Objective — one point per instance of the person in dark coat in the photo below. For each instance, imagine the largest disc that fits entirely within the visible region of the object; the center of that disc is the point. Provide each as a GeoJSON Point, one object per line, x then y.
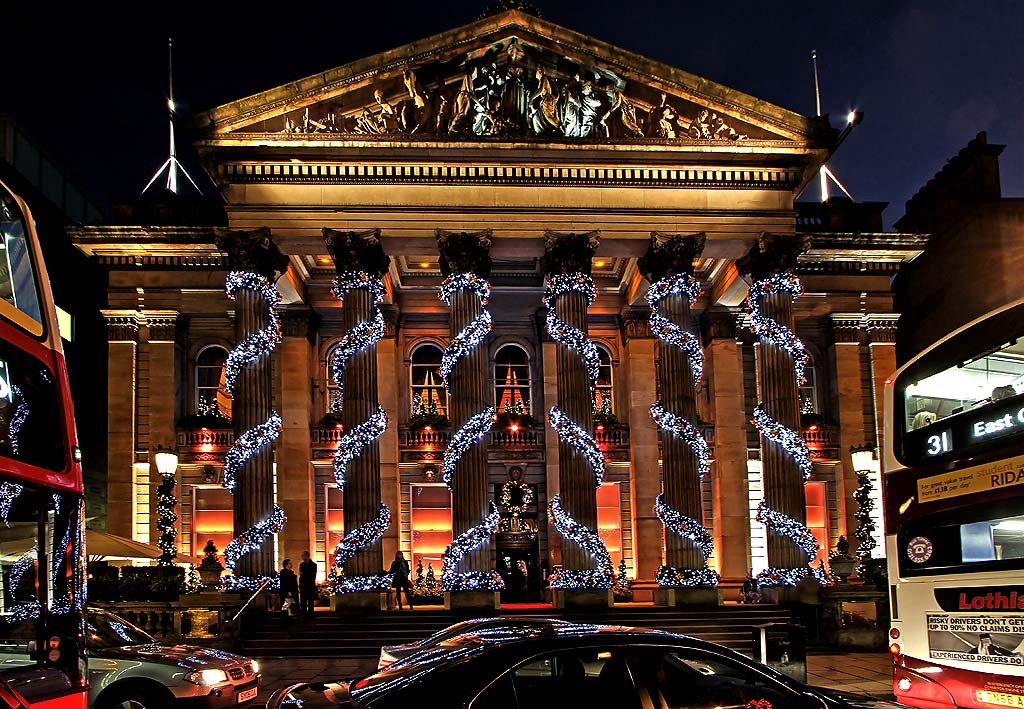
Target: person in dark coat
{"type": "Point", "coordinates": [307, 585]}
{"type": "Point", "coordinates": [400, 578]}
{"type": "Point", "coordinates": [289, 587]}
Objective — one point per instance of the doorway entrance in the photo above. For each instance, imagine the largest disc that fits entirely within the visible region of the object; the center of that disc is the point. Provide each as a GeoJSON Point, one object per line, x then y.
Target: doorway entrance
{"type": "Point", "coordinates": [520, 570]}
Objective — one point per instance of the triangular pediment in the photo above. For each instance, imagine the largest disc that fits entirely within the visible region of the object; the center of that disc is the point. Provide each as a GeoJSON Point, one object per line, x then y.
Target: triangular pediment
{"type": "Point", "coordinates": [510, 77]}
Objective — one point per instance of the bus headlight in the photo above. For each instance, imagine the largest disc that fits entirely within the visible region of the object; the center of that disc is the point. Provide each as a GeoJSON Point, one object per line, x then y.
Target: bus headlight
{"type": "Point", "coordinates": [903, 684]}
{"type": "Point", "coordinates": [207, 677]}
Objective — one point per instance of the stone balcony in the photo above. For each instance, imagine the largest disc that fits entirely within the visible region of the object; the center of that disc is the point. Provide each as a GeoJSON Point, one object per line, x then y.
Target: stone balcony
{"type": "Point", "coordinates": [822, 441]}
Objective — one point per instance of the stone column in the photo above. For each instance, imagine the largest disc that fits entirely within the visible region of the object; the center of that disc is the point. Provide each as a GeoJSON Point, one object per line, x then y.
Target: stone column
{"type": "Point", "coordinates": [354, 252]}
{"type": "Point", "coordinates": [724, 376]}
{"type": "Point", "coordinates": [294, 469]}
{"type": "Point", "coordinates": [645, 483]}
{"type": "Point", "coordinates": [569, 254]}
{"type": "Point", "coordinates": [252, 404]}
{"type": "Point", "coordinates": [670, 256]}
{"type": "Point", "coordinates": [783, 480]}
{"type": "Point", "coordinates": [390, 376]}
{"type": "Point", "coordinates": [468, 253]}
{"type": "Point", "coordinates": [157, 417]}
{"type": "Point", "coordinates": [122, 348]}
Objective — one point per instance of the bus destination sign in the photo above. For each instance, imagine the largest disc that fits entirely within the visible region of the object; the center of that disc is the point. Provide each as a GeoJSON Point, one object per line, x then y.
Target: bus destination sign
{"type": "Point", "coordinates": [979, 478]}
{"type": "Point", "coordinates": [971, 430]}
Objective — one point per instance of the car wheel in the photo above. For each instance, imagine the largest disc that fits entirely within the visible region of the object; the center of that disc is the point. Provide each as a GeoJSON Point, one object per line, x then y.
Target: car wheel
{"type": "Point", "coordinates": [135, 700]}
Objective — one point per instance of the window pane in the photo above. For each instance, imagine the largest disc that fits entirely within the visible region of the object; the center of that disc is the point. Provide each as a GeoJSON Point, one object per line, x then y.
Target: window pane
{"type": "Point", "coordinates": [579, 677]}
{"type": "Point", "coordinates": [17, 280]}
{"type": "Point", "coordinates": [512, 381]}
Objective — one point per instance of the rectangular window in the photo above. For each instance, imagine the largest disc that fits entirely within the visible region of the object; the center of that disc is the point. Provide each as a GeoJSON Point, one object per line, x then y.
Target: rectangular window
{"type": "Point", "coordinates": [430, 520]}
{"type": "Point", "coordinates": [609, 520]}
{"type": "Point", "coordinates": [758, 534]}
{"type": "Point", "coordinates": [334, 520]}
{"type": "Point", "coordinates": [140, 502]}
{"type": "Point", "coordinates": [212, 517]}
{"type": "Point", "coordinates": [817, 516]}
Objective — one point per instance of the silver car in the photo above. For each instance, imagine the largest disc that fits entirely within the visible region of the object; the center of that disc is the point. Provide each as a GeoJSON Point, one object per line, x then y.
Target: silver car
{"type": "Point", "coordinates": [129, 669]}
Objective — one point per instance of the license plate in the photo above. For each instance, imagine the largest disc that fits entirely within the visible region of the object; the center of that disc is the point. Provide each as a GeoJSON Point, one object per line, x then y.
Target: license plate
{"type": "Point", "coordinates": [1000, 698]}
{"type": "Point", "coordinates": [247, 694]}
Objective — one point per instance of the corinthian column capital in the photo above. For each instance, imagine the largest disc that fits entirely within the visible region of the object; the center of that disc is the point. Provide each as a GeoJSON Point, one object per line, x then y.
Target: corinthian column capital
{"type": "Point", "coordinates": [569, 252]}
{"type": "Point", "coordinates": [773, 253]}
{"type": "Point", "coordinates": [252, 250]}
{"type": "Point", "coordinates": [465, 251]}
{"type": "Point", "coordinates": [357, 251]}
{"type": "Point", "coordinates": [670, 255]}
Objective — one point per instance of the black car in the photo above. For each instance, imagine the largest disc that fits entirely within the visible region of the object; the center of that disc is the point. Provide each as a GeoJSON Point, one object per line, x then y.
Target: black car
{"type": "Point", "coordinates": [569, 666]}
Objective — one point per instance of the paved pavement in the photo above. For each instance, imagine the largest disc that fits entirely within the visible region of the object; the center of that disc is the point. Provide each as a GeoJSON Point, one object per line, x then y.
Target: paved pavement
{"type": "Point", "coordinates": [862, 672]}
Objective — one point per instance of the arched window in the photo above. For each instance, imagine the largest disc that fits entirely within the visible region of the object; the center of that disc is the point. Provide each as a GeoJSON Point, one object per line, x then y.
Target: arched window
{"type": "Point", "coordinates": [428, 394]}
{"type": "Point", "coordinates": [603, 399]}
{"type": "Point", "coordinates": [333, 392]}
{"type": "Point", "coordinates": [809, 389]}
{"type": "Point", "coordinates": [512, 380]}
{"type": "Point", "coordinates": [211, 398]}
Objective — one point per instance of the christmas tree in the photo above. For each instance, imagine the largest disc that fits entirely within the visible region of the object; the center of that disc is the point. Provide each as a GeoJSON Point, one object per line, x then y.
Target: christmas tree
{"type": "Point", "coordinates": [865, 532]}
{"type": "Point", "coordinates": [623, 586]}
{"type": "Point", "coordinates": [430, 586]}
{"type": "Point", "coordinates": [418, 584]}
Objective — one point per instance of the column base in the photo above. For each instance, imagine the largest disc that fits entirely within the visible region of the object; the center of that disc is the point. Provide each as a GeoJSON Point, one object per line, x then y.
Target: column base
{"type": "Point", "coordinates": [584, 599]}
{"type": "Point", "coordinates": [472, 600]}
{"type": "Point", "coordinates": [695, 596]}
{"type": "Point", "coordinates": [359, 601]}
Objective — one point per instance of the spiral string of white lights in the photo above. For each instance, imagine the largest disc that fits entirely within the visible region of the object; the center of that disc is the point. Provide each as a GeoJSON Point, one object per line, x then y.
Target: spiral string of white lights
{"type": "Point", "coordinates": [468, 435]}
{"type": "Point", "coordinates": [603, 575]}
{"type": "Point", "coordinates": [353, 442]}
{"type": "Point", "coordinates": [673, 424]}
{"type": "Point", "coordinates": [789, 440]}
{"type": "Point", "coordinates": [250, 350]}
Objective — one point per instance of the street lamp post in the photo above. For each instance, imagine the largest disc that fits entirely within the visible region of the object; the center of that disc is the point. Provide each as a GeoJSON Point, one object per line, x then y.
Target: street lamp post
{"type": "Point", "coordinates": [166, 464]}
{"type": "Point", "coordinates": [863, 458]}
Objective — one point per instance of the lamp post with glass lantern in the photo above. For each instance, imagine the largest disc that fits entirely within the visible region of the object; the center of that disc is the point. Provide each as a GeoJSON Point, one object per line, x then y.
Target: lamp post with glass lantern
{"type": "Point", "coordinates": [864, 463]}
{"type": "Point", "coordinates": [166, 460]}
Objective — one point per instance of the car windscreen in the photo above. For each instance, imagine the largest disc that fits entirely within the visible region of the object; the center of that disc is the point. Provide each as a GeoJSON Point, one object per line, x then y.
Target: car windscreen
{"type": "Point", "coordinates": [105, 631]}
{"type": "Point", "coordinates": [367, 690]}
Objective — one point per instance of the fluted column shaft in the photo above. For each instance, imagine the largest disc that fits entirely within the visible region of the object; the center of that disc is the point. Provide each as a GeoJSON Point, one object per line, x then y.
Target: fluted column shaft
{"type": "Point", "coordinates": [575, 478]}
{"type": "Point", "coordinates": [254, 487]}
{"type": "Point", "coordinates": [783, 480]}
{"type": "Point", "coordinates": [680, 472]}
{"type": "Point", "coordinates": [468, 396]}
{"type": "Point", "coordinates": [362, 483]}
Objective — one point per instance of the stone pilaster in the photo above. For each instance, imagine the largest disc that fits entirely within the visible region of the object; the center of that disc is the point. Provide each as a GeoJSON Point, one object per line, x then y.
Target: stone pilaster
{"type": "Point", "coordinates": [572, 253]}
{"type": "Point", "coordinates": [640, 391]}
{"type": "Point", "coordinates": [724, 377]}
{"type": "Point", "coordinates": [360, 251]}
{"type": "Point", "coordinates": [294, 470]}
{"type": "Point", "coordinates": [389, 378]}
{"type": "Point", "coordinates": [256, 252]}
{"type": "Point", "coordinates": [468, 253]}
{"type": "Point", "coordinates": [672, 255]}
{"type": "Point", "coordinates": [783, 480]}
{"type": "Point", "coordinates": [846, 359]}
{"type": "Point", "coordinates": [882, 346]}
{"type": "Point", "coordinates": [122, 350]}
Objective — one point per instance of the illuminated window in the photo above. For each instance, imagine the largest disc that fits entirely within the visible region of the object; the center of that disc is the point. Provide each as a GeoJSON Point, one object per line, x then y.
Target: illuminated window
{"type": "Point", "coordinates": [428, 394]}
{"type": "Point", "coordinates": [758, 534]}
{"type": "Point", "coordinates": [334, 520]}
{"type": "Point", "coordinates": [609, 520]}
{"type": "Point", "coordinates": [512, 380]}
{"type": "Point", "coordinates": [18, 297]}
{"type": "Point", "coordinates": [817, 517]}
{"type": "Point", "coordinates": [603, 400]}
{"type": "Point", "coordinates": [211, 396]}
{"type": "Point", "coordinates": [212, 517]}
{"type": "Point", "coordinates": [809, 389]}
{"type": "Point", "coordinates": [430, 520]}
{"type": "Point", "coordinates": [140, 502]}
{"type": "Point", "coordinates": [333, 392]}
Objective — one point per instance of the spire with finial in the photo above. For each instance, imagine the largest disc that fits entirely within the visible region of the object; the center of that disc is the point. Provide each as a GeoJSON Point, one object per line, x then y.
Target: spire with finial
{"type": "Point", "coordinates": [171, 165]}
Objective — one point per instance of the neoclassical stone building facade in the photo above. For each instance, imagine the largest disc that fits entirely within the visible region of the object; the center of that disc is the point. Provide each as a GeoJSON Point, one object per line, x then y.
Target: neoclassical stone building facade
{"type": "Point", "coordinates": [528, 136]}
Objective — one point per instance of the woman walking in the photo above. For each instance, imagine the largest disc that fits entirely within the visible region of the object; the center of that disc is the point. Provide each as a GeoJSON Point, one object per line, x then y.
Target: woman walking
{"type": "Point", "coordinates": [400, 579]}
{"type": "Point", "coordinates": [289, 588]}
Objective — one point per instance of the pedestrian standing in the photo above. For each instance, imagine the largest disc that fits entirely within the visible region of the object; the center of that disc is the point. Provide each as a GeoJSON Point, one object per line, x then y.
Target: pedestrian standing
{"type": "Point", "coordinates": [400, 579]}
{"type": "Point", "coordinates": [289, 588]}
{"type": "Point", "coordinates": [307, 586]}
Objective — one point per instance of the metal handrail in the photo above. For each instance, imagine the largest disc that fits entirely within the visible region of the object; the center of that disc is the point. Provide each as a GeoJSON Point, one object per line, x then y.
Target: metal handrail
{"type": "Point", "coordinates": [258, 591]}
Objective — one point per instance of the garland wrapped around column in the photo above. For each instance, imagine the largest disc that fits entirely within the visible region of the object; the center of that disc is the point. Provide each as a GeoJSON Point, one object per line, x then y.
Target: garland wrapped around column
{"type": "Point", "coordinates": [166, 517]}
{"type": "Point", "coordinates": [602, 576]}
{"type": "Point", "coordinates": [790, 441]}
{"type": "Point", "coordinates": [676, 425]}
{"type": "Point", "coordinates": [363, 336]}
{"type": "Point", "coordinates": [469, 434]}
{"type": "Point", "coordinates": [253, 347]}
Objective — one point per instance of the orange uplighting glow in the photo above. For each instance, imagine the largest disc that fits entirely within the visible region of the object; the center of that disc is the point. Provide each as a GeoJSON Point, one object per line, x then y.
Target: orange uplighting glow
{"type": "Point", "coordinates": [514, 427]}
{"type": "Point", "coordinates": [600, 427]}
{"type": "Point", "coordinates": [599, 264]}
{"type": "Point", "coordinates": [206, 440]}
{"type": "Point", "coordinates": [424, 264]}
{"type": "Point", "coordinates": [428, 428]}
{"type": "Point", "coordinates": [813, 427]}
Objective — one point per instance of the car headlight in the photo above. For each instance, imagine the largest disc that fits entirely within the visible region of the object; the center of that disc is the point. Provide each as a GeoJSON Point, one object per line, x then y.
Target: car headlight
{"type": "Point", "coordinates": [255, 666]}
{"type": "Point", "coordinates": [207, 677]}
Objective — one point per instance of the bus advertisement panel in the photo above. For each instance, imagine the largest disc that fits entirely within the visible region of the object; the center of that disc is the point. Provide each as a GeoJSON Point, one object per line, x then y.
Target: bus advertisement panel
{"type": "Point", "coordinates": [954, 506]}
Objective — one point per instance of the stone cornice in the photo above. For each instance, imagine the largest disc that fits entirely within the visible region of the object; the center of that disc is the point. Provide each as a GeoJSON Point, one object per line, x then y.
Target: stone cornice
{"type": "Point", "coordinates": [863, 248]}
{"type": "Point", "coordinates": [881, 328]}
{"type": "Point", "coordinates": [161, 324]}
{"type": "Point", "coordinates": [122, 325]}
{"type": "Point", "coordinates": [846, 327]}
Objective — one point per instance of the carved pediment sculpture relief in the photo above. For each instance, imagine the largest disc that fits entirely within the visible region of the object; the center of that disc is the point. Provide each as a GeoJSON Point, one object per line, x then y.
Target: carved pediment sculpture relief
{"type": "Point", "coordinates": [511, 90]}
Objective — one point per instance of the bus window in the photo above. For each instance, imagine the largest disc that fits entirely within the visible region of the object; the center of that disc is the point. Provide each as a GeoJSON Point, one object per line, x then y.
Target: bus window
{"type": "Point", "coordinates": [19, 297]}
{"type": "Point", "coordinates": [32, 429]}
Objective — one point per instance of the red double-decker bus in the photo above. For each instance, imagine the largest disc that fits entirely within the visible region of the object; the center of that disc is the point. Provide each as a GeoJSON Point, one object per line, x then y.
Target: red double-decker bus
{"type": "Point", "coordinates": [954, 501]}
{"type": "Point", "coordinates": [42, 525]}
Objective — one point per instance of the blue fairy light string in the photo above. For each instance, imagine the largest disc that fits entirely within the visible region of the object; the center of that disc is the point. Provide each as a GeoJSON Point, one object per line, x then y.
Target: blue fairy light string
{"type": "Point", "coordinates": [468, 435]}
{"type": "Point", "coordinates": [673, 424]}
{"type": "Point", "coordinates": [470, 540]}
{"type": "Point", "coordinates": [250, 350]}
{"type": "Point", "coordinates": [580, 440]}
{"type": "Point", "coordinates": [8, 494]}
{"type": "Point", "coordinates": [600, 577]}
{"type": "Point", "coordinates": [364, 335]}
{"type": "Point", "coordinates": [781, 337]}
{"type": "Point", "coordinates": [18, 419]}
{"type": "Point", "coordinates": [687, 528]}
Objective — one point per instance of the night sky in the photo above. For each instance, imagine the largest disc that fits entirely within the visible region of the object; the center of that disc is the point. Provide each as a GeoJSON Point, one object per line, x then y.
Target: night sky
{"type": "Point", "coordinates": [89, 83]}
